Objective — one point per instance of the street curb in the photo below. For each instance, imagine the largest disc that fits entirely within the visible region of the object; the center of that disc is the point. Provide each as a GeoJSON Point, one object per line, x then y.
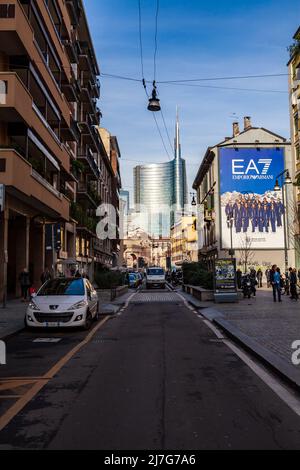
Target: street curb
{"type": "Point", "coordinates": [278, 365]}
{"type": "Point", "coordinates": [7, 336]}
{"type": "Point", "coordinates": [286, 371]}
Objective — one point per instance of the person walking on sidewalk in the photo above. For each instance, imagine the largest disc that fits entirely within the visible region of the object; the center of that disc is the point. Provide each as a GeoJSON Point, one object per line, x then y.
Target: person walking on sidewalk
{"type": "Point", "coordinates": [278, 284]}
{"type": "Point", "coordinates": [275, 279]}
{"type": "Point", "coordinates": [267, 273]}
{"type": "Point", "coordinates": [25, 283]}
{"type": "Point", "coordinates": [293, 284]}
{"type": "Point", "coordinates": [259, 277]}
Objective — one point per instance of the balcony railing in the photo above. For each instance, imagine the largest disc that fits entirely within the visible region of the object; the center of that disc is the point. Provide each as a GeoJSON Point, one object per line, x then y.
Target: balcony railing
{"type": "Point", "coordinates": [89, 158]}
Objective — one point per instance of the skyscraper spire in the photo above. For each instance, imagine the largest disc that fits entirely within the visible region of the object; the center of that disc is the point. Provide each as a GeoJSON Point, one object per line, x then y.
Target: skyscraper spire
{"type": "Point", "coordinates": [177, 137]}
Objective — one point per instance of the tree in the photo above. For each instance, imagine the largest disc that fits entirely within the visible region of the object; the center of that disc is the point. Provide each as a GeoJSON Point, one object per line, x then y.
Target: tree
{"type": "Point", "coordinates": [294, 227]}
{"type": "Point", "coordinates": [246, 253]}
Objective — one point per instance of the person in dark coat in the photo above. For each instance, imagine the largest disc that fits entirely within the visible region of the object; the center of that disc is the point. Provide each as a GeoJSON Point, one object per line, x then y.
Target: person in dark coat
{"type": "Point", "coordinates": [273, 217]}
{"type": "Point", "coordinates": [238, 218]}
{"type": "Point", "coordinates": [239, 278]}
{"type": "Point", "coordinates": [266, 217]}
{"type": "Point", "coordinates": [25, 283]}
{"type": "Point", "coordinates": [260, 217]}
{"type": "Point", "coordinates": [293, 284]}
{"type": "Point", "coordinates": [46, 276]}
{"type": "Point", "coordinates": [259, 276]}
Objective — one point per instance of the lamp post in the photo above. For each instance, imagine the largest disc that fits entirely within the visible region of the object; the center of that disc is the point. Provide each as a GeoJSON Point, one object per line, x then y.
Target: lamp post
{"type": "Point", "coordinates": [285, 180]}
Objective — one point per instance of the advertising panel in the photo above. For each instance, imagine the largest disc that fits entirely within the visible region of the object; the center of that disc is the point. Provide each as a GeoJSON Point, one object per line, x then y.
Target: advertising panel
{"type": "Point", "coordinates": [251, 211]}
{"type": "Point", "coordinates": [225, 277]}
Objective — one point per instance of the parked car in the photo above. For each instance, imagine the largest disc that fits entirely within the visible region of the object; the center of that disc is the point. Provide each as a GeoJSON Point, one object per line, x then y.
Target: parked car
{"type": "Point", "coordinates": [155, 278]}
{"type": "Point", "coordinates": [133, 280]}
{"type": "Point", "coordinates": [63, 302]}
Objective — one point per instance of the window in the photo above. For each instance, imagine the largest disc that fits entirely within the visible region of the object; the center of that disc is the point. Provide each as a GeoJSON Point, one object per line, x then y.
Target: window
{"type": "Point", "coordinates": [62, 287]}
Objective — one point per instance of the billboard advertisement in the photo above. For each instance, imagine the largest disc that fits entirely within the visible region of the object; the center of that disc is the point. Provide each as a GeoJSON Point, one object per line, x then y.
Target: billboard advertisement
{"type": "Point", "coordinates": [250, 208]}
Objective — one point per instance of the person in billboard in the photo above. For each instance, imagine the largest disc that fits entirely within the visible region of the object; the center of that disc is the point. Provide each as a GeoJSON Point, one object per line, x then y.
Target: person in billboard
{"type": "Point", "coordinates": [266, 217]}
{"type": "Point", "coordinates": [238, 218]}
{"type": "Point", "coordinates": [245, 217]}
{"type": "Point", "coordinates": [273, 217]}
{"type": "Point", "coordinates": [260, 217]}
{"type": "Point", "coordinates": [254, 216]}
{"type": "Point", "coordinates": [229, 212]}
{"type": "Point", "coordinates": [279, 212]}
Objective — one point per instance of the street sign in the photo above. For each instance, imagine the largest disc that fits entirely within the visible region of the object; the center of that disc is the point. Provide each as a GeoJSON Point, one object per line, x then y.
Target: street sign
{"type": "Point", "coordinates": [2, 197]}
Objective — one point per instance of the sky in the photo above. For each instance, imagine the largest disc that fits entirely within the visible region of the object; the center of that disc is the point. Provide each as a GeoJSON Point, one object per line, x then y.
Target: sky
{"type": "Point", "coordinates": [196, 39]}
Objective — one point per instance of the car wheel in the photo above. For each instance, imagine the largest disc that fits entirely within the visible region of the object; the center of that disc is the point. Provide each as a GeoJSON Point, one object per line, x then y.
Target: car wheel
{"type": "Point", "coordinates": [88, 321]}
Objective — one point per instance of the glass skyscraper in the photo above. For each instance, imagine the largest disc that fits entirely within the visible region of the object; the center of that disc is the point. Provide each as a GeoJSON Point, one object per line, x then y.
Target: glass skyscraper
{"type": "Point", "coordinates": [158, 188]}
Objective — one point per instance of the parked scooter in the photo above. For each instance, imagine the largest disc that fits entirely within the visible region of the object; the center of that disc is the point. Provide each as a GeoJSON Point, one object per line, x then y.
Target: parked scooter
{"type": "Point", "coordinates": [248, 286]}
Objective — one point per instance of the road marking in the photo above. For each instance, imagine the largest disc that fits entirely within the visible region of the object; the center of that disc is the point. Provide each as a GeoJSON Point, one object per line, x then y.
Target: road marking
{"type": "Point", "coordinates": [25, 399]}
{"type": "Point", "coordinates": [288, 397]}
{"type": "Point", "coordinates": [47, 340]}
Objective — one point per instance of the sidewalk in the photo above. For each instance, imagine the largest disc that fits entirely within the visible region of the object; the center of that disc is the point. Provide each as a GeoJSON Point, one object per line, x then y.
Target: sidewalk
{"type": "Point", "coordinates": [12, 317]}
{"type": "Point", "coordinates": [268, 329]}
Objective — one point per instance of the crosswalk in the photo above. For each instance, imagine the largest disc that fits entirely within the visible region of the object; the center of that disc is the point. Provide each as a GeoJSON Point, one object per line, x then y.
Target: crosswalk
{"type": "Point", "coordinates": [149, 297]}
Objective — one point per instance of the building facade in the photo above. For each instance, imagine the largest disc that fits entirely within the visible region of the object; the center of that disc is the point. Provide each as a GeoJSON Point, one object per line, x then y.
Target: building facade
{"type": "Point", "coordinates": [53, 164]}
{"type": "Point", "coordinates": [184, 246]}
{"type": "Point", "coordinates": [238, 207]}
{"type": "Point", "coordinates": [159, 188]}
{"type": "Point", "coordinates": [294, 93]}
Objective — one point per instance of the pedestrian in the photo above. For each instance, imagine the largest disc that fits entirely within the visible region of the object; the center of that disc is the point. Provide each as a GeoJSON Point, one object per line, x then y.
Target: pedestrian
{"type": "Point", "coordinates": [25, 283]}
{"type": "Point", "coordinates": [267, 273]}
{"type": "Point", "coordinates": [239, 278]}
{"type": "Point", "coordinates": [253, 281]}
{"type": "Point", "coordinates": [46, 276]}
{"type": "Point", "coordinates": [259, 278]}
{"type": "Point", "coordinates": [293, 284]}
{"type": "Point", "coordinates": [299, 275]}
{"type": "Point", "coordinates": [275, 279]}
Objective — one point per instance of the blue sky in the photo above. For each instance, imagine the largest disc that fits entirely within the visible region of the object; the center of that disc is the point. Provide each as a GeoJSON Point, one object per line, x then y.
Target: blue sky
{"type": "Point", "coordinates": [196, 38]}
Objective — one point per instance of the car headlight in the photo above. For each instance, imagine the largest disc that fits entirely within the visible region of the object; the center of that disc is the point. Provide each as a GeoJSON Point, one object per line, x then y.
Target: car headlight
{"type": "Point", "coordinates": [81, 304]}
{"type": "Point", "coordinates": [33, 306]}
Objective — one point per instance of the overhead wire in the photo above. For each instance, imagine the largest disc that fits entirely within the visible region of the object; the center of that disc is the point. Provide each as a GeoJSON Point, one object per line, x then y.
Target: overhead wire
{"type": "Point", "coordinates": [155, 39]}
{"type": "Point", "coordinates": [144, 82]}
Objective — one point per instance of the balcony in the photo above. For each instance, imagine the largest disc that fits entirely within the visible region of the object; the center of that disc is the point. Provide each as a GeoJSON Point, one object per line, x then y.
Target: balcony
{"type": "Point", "coordinates": [74, 9]}
{"type": "Point", "coordinates": [90, 135]}
{"type": "Point", "coordinates": [89, 159]}
{"type": "Point", "coordinates": [17, 39]}
{"type": "Point", "coordinates": [84, 190]}
{"type": "Point", "coordinates": [25, 183]}
{"type": "Point", "coordinates": [16, 105]}
{"type": "Point", "coordinates": [72, 133]}
{"type": "Point", "coordinates": [87, 98]}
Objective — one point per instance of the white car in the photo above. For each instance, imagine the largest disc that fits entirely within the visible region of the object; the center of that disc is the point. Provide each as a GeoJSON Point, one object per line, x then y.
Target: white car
{"type": "Point", "coordinates": [155, 277]}
{"type": "Point", "coordinates": [63, 302]}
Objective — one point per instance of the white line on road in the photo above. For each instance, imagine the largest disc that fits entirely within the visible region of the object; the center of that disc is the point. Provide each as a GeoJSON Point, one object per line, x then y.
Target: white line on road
{"type": "Point", "coordinates": [288, 397]}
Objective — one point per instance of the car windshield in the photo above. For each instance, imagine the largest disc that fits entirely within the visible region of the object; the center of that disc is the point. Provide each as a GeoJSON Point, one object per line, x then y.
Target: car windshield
{"type": "Point", "coordinates": [63, 287]}
{"type": "Point", "coordinates": [155, 272]}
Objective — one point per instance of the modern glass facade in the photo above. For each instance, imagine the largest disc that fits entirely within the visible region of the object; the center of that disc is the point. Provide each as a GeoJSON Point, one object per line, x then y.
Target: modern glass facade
{"type": "Point", "coordinates": [158, 187]}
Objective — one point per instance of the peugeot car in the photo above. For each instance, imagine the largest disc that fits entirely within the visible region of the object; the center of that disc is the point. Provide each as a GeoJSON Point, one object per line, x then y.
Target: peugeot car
{"type": "Point", "coordinates": [63, 303]}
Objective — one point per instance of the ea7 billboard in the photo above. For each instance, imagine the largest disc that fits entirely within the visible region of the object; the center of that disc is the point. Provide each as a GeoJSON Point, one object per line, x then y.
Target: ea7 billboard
{"type": "Point", "coordinates": [251, 211]}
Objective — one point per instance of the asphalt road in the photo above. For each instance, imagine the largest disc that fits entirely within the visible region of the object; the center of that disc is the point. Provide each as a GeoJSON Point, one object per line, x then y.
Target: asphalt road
{"type": "Point", "coordinates": [155, 377]}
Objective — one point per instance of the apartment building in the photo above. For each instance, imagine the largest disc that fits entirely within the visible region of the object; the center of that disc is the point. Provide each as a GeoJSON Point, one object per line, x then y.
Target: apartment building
{"type": "Point", "coordinates": [53, 163]}
{"type": "Point", "coordinates": [184, 247]}
{"type": "Point", "coordinates": [294, 92]}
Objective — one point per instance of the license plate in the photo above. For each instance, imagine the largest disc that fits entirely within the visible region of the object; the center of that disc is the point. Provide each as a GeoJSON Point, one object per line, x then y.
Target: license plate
{"type": "Point", "coordinates": [52, 324]}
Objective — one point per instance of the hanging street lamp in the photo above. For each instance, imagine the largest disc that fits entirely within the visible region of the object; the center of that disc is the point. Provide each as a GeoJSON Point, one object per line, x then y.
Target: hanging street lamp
{"type": "Point", "coordinates": [154, 103]}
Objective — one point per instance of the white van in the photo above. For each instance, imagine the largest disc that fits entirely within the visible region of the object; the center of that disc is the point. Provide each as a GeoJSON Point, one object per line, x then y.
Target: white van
{"type": "Point", "coordinates": [155, 277]}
